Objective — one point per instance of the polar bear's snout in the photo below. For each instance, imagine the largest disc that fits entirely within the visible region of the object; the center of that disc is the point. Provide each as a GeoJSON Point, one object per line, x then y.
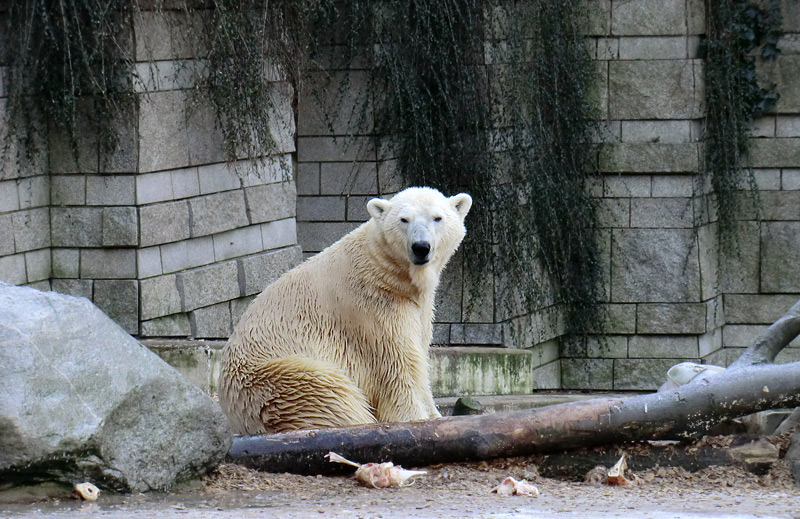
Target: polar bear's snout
{"type": "Point", "coordinates": [420, 252]}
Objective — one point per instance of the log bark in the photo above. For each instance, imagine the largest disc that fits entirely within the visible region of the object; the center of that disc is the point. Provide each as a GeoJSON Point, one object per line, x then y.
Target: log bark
{"type": "Point", "coordinates": [679, 414]}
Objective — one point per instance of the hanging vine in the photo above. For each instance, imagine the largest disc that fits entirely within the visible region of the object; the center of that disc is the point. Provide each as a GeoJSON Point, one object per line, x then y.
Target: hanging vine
{"type": "Point", "coordinates": [737, 32]}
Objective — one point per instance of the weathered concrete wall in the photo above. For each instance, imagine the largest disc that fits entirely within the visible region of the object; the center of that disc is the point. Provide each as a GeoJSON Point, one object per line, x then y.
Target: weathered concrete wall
{"type": "Point", "coordinates": [669, 295]}
{"type": "Point", "coordinates": [161, 233]}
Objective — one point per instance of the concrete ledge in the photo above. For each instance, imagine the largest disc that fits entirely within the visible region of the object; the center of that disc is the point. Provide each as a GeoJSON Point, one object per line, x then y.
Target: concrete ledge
{"type": "Point", "coordinates": [455, 371]}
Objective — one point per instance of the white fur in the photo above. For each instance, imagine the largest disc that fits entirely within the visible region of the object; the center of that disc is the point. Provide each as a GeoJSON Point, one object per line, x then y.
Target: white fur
{"type": "Point", "coordinates": [343, 338]}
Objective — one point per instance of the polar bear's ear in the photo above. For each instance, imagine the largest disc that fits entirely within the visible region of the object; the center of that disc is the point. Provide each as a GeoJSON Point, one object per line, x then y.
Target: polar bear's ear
{"type": "Point", "coordinates": [461, 203]}
{"type": "Point", "coordinates": [378, 207]}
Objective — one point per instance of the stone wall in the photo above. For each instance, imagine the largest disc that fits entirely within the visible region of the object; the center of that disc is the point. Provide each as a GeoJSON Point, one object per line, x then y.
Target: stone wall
{"type": "Point", "coordinates": [161, 233]}
{"type": "Point", "coordinates": [670, 296]}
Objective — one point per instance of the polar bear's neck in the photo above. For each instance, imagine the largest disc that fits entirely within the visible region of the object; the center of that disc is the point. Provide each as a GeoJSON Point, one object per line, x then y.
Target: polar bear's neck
{"type": "Point", "coordinates": [397, 275]}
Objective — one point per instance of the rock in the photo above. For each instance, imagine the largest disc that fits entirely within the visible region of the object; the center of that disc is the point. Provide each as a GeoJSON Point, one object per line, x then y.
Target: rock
{"type": "Point", "coordinates": [793, 456]}
{"type": "Point", "coordinates": [81, 400]}
{"type": "Point", "coordinates": [467, 405]}
{"type": "Point", "coordinates": [757, 455]}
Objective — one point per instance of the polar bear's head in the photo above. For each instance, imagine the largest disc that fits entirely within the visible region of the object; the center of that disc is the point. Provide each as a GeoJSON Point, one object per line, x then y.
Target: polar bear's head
{"type": "Point", "coordinates": [421, 224]}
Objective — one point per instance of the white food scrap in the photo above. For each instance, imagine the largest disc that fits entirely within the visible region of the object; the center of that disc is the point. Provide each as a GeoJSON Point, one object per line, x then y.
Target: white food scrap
{"type": "Point", "coordinates": [511, 486]}
{"type": "Point", "coordinates": [87, 491]}
{"type": "Point", "coordinates": [378, 475]}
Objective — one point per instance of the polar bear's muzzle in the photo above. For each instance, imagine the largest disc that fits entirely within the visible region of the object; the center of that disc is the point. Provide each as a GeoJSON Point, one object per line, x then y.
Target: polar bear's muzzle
{"type": "Point", "coordinates": [420, 252]}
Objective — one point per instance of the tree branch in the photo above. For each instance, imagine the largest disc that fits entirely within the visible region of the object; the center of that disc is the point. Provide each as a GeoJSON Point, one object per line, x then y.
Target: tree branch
{"type": "Point", "coordinates": [772, 341]}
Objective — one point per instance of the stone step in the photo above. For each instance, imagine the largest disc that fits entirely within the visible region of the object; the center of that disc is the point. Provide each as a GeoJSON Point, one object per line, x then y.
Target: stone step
{"type": "Point", "coordinates": [455, 371]}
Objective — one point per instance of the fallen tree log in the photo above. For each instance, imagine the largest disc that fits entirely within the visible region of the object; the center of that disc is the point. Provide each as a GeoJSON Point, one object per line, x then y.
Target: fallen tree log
{"type": "Point", "coordinates": [683, 413]}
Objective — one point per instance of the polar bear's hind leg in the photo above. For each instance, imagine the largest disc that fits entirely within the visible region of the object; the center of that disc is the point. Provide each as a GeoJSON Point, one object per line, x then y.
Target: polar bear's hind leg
{"type": "Point", "coordinates": [303, 393]}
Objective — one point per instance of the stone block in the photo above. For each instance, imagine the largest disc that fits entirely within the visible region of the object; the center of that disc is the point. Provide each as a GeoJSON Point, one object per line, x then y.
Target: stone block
{"type": "Point", "coordinates": [744, 335]}
{"type": "Point", "coordinates": [186, 254]}
{"type": "Point", "coordinates": [185, 183]}
{"type": "Point", "coordinates": [649, 158]}
{"type": "Point", "coordinates": [441, 334]}
{"type": "Point", "coordinates": [212, 322]}
{"type": "Point", "coordinates": [307, 178]}
{"type": "Point", "coordinates": [790, 179]}
{"type": "Point", "coordinates": [775, 152]}
{"type": "Point", "coordinates": [206, 286]}
{"type": "Point", "coordinates": [163, 223]}
{"type": "Point", "coordinates": [671, 318]}
{"type": "Point", "coordinates": [206, 140]}
{"type": "Point", "coordinates": [38, 265]}
{"type": "Point", "coordinates": [260, 270]}
{"type": "Point", "coordinates": [449, 295]}
{"type": "Point", "coordinates": [459, 371]}
{"type": "Point", "coordinates": [663, 347]}
{"type": "Point", "coordinates": [764, 126]}
{"type": "Point", "coordinates": [280, 233]}
{"type": "Point", "coordinates": [154, 187]}
{"type": "Point", "coordinates": [119, 299]}
{"type": "Point", "coordinates": [653, 47]}
{"type": "Point", "coordinates": [767, 179]}
{"type": "Point", "coordinates": [641, 374]}
{"type": "Point", "coordinates": [597, 374]}
{"type": "Point", "coordinates": [710, 342]}
{"type": "Point", "coordinates": [269, 202]}
{"type": "Point", "coordinates": [321, 208]}
{"type": "Point", "coordinates": [626, 186]}
{"type": "Point", "coordinates": [614, 212]}
{"type": "Point", "coordinates": [12, 269]}
{"type": "Point", "coordinates": [544, 353]}
{"type": "Point", "coordinates": [120, 226]}
{"type": "Point", "coordinates": [339, 104]}
{"type": "Point", "coordinates": [176, 325]}
{"type": "Point", "coordinates": [661, 212]}
{"type": "Point", "coordinates": [665, 132]}
{"type": "Point", "coordinates": [756, 308]}
{"type": "Point", "coordinates": [68, 189]}
{"type": "Point", "coordinates": [123, 155]}
{"type": "Point", "coordinates": [110, 190]}
{"type": "Point", "coordinates": [787, 70]}
{"type": "Point", "coordinates": [218, 212]}
{"type": "Point", "coordinates": [547, 376]}
{"type": "Point", "coordinates": [238, 242]}
{"type": "Point", "coordinates": [331, 149]}
{"type": "Point", "coordinates": [780, 257]}
{"type": "Point", "coordinates": [655, 89]}
{"type": "Point", "coordinates": [619, 319]}
{"type": "Point", "coordinates": [82, 154]}
{"type": "Point", "coordinates": [74, 287]}
{"type": "Point", "coordinates": [655, 265]}
{"type": "Point", "coordinates": [6, 235]}
{"type": "Point", "coordinates": [148, 262]}
{"type": "Point", "coordinates": [349, 178]}
{"type": "Point", "coordinates": [31, 229]}
{"type": "Point", "coordinates": [164, 34]}
{"type": "Point", "coordinates": [315, 236]}
{"type": "Point", "coordinates": [215, 178]}
{"type": "Point", "coordinates": [672, 186]}
{"type": "Point", "coordinates": [476, 334]}
{"type": "Point", "coordinates": [607, 347]}
{"type": "Point", "coordinates": [390, 180]}
{"type": "Point", "coordinates": [239, 307]}
{"type": "Point", "coordinates": [357, 208]}
{"type": "Point", "coordinates": [163, 138]}
{"type": "Point", "coordinates": [159, 297]}
{"type": "Point", "coordinates": [66, 263]}
{"type": "Point", "coordinates": [649, 17]}
{"type": "Point", "coordinates": [606, 49]}
{"type": "Point", "coordinates": [34, 191]}
{"type": "Point", "coordinates": [108, 263]}
{"type": "Point", "coordinates": [787, 126]}
{"type": "Point", "coordinates": [739, 269]}
{"type": "Point", "coordinates": [780, 205]}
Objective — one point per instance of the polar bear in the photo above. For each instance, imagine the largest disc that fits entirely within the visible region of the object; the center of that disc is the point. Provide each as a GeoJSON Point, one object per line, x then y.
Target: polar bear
{"type": "Point", "coordinates": [343, 338]}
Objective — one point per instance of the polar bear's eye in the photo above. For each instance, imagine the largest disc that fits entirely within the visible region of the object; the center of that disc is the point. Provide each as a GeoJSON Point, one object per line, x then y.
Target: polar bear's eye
{"type": "Point", "coordinates": [404, 220]}
{"type": "Point", "coordinates": [437, 219]}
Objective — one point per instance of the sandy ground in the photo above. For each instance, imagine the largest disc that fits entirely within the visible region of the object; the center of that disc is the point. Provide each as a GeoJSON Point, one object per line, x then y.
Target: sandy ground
{"type": "Point", "coordinates": [448, 491]}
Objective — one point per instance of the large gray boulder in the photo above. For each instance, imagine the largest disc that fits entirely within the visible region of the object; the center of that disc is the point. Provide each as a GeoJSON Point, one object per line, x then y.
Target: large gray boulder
{"type": "Point", "coordinates": [81, 400]}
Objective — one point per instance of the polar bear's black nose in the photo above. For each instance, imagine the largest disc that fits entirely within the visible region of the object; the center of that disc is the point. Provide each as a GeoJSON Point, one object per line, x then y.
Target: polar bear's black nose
{"type": "Point", "coordinates": [420, 249]}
